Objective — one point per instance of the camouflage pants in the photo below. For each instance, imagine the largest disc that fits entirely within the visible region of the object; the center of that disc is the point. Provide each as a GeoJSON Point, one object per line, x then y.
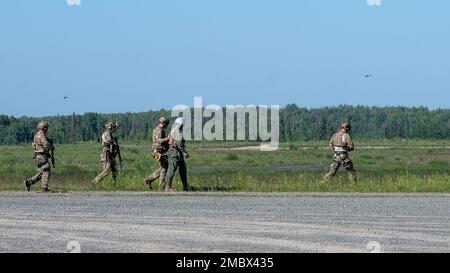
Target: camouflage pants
{"type": "Point", "coordinates": [159, 173]}
{"type": "Point", "coordinates": [43, 165]}
{"type": "Point", "coordinates": [176, 162]}
{"type": "Point", "coordinates": [344, 160]}
{"type": "Point", "coordinates": [108, 165]}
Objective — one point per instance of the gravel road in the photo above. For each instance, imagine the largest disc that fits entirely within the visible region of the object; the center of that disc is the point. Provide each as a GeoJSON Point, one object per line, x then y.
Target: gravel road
{"type": "Point", "coordinates": [144, 222]}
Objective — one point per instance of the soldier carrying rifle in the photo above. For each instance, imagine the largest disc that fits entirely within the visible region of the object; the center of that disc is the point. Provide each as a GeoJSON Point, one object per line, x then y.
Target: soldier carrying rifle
{"type": "Point", "coordinates": [341, 144]}
{"type": "Point", "coordinates": [110, 149]}
{"type": "Point", "coordinates": [160, 147]}
{"type": "Point", "coordinates": [43, 151]}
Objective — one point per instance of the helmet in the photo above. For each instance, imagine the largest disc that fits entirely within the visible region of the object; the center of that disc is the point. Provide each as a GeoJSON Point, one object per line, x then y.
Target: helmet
{"type": "Point", "coordinates": [346, 125]}
{"type": "Point", "coordinates": [42, 125]}
{"type": "Point", "coordinates": [164, 120]}
{"type": "Point", "coordinates": [111, 125]}
{"type": "Point", "coordinates": [179, 121]}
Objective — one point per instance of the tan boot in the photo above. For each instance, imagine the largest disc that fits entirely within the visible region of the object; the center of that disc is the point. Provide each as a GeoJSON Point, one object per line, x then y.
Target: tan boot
{"type": "Point", "coordinates": [352, 177]}
{"type": "Point", "coordinates": [97, 180]}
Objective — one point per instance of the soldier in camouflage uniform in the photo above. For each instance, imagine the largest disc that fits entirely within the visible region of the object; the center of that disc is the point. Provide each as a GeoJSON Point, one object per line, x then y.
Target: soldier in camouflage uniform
{"type": "Point", "coordinates": [109, 152]}
{"type": "Point", "coordinates": [160, 147]}
{"type": "Point", "coordinates": [176, 155]}
{"type": "Point", "coordinates": [341, 143]}
{"type": "Point", "coordinates": [43, 147]}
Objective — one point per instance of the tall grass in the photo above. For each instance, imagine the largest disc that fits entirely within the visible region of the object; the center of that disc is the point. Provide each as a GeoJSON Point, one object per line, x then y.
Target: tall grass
{"type": "Point", "coordinates": [398, 169]}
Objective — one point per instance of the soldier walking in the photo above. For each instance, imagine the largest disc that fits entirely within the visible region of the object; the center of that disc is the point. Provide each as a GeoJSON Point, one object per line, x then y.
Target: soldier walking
{"type": "Point", "coordinates": [160, 147]}
{"type": "Point", "coordinates": [43, 149]}
{"type": "Point", "coordinates": [176, 155]}
{"type": "Point", "coordinates": [109, 152]}
{"type": "Point", "coordinates": [341, 144]}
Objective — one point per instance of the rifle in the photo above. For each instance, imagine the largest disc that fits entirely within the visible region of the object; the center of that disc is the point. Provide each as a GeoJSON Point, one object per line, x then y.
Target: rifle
{"type": "Point", "coordinates": [118, 152]}
{"type": "Point", "coordinates": [52, 152]}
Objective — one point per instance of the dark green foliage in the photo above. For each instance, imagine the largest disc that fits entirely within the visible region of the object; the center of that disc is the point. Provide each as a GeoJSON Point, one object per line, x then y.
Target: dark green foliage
{"type": "Point", "coordinates": [79, 128]}
{"type": "Point", "coordinates": [295, 124]}
{"type": "Point", "coordinates": [367, 122]}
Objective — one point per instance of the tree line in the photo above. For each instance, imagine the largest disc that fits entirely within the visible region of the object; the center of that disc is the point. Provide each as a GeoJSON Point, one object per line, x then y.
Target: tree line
{"type": "Point", "coordinates": [296, 123]}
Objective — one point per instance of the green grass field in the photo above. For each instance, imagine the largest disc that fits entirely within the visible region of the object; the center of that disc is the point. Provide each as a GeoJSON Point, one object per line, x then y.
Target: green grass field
{"type": "Point", "coordinates": [382, 166]}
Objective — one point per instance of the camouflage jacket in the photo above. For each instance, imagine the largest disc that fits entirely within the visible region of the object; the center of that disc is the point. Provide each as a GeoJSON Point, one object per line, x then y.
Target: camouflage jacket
{"type": "Point", "coordinates": [160, 140]}
{"type": "Point", "coordinates": [108, 143]}
{"type": "Point", "coordinates": [341, 142]}
{"type": "Point", "coordinates": [41, 143]}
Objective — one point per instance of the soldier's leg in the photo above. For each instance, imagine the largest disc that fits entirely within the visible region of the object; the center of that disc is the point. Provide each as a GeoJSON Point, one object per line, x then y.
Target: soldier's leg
{"type": "Point", "coordinates": [183, 174]}
{"type": "Point", "coordinates": [42, 165]}
{"type": "Point", "coordinates": [155, 175]}
{"type": "Point", "coordinates": [163, 165]}
{"type": "Point", "coordinates": [334, 167]}
{"type": "Point", "coordinates": [36, 178]}
{"type": "Point", "coordinates": [348, 165]}
{"type": "Point", "coordinates": [149, 179]}
{"type": "Point", "coordinates": [106, 168]}
{"type": "Point", "coordinates": [171, 170]}
{"type": "Point", "coordinates": [46, 173]}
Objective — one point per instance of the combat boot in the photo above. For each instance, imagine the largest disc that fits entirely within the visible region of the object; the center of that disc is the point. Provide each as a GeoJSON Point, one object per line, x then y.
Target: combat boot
{"type": "Point", "coordinates": [148, 183]}
{"type": "Point", "coordinates": [162, 186]}
{"type": "Point", "coordinates": [327, 178]}
{"type": "Point", "coordinates": [27, 184]}
{"type": "Point", "coordinates": [352, 177]}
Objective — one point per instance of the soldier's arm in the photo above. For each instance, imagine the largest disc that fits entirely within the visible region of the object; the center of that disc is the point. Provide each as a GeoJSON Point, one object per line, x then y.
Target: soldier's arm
{"type": "Point", "coordinates": [107, 142]}
{"type": "Point", "coordinates": [46, 143]}
{"type": "Point", "coordinates": [177, 137]}
{"type": "Point", "coordinates": [159, 139]}
{"type": "Point", "coordinates": [331, 145]}
{"type": "Point", "coordinates": [350, 146]}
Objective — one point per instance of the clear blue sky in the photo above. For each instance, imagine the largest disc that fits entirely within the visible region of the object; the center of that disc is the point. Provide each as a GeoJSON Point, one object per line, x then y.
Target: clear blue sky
{"type": "Point", "coordinates": [136, 55]}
